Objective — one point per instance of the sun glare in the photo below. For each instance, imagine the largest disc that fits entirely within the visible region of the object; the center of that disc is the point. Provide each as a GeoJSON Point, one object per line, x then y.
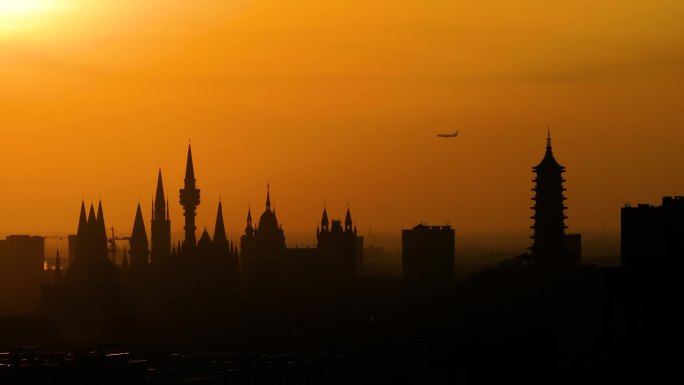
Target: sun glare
{"type": "Point", "coordinates": [18, 15]}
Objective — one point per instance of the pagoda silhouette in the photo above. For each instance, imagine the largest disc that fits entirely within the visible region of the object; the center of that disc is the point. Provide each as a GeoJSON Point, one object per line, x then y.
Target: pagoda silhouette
{"type": "Point", "coordinates": [550, 247]}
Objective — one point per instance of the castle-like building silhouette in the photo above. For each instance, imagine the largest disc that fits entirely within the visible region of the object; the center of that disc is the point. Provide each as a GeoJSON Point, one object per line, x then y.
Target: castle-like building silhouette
{"type": "Point", "coordinates": [262, 259]}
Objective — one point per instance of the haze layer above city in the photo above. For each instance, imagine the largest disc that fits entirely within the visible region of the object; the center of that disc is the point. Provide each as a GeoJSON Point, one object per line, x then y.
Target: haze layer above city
{"type": "Point", "coordinates": [337, 103]}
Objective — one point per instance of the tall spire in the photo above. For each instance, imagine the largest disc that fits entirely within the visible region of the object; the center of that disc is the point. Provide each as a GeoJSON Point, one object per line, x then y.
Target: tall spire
{"type": "Point", "coordinates": [219, 229]}
{"type": "Point", "coordinates": [548, 140]}
{"type": "Point", "coordinates": [139, 233]}
{"type": "Point", "coordinates": [138, 242]}
{"type": "Point", "coordinates": [92, 218]}
{"type": "Point", "coordinates": [101, 230]}
{"type": "Point", "coordinates": [348, 224]}
{"type": "Point", "coordinates": [160, 229]}
{"type": "Point", "coordinates": [189, 170]}
{"type": "Point", "coordinates": [160, 198]}
{"type": "Point", "coordinates": [82, 221]}
{"type": "Point", "coordinates": [249, 229]}
{"type": "Point", "coordinates": [324, 220]}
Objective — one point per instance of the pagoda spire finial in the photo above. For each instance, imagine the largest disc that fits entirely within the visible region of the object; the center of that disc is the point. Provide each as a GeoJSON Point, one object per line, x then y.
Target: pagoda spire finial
{"type": "Point", "coordinates": [548, 138]}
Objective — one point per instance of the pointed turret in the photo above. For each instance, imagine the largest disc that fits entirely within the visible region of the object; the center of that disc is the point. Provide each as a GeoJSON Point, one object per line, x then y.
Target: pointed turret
{"type": "Point", "coordinates": [161, 225]}
{"type": "Point", "coordinates": [189, 170]}
{"type": "Point", "coordinates": [204, 246]}
{"type": "Point", "coordinates": [221, 246]}
{"type": "Point", "coordinates": [325, 223]}
{"type": "Point", "coordinates": [219, 228]}
{"type": "Point", "coordinates": [82, 221]}
{"type": "Point", "coordinates": [348, 224]}
{"type": "Point", "coordinates": [90, 241]}
{"type": "Point", "coordinates": [92, 218]}
{"type": "Point", "coordinates": [139, 232]}
{"type": "Point", "coordinates": [138, 242]}
{"type": "Point", "coordinates": [160, 198]}
{"type": "Point", "coordinates": [249, 229]}
{"type": "Point", "coordinates": [82, 235]}
{"type": "Point", "coordinates": [101, 231]}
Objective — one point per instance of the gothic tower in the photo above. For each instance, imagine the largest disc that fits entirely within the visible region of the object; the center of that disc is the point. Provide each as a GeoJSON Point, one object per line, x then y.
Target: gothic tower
{"type": "Point", "coordinates": [161, 226]}
{"type": "Point", "coordinates": [337, 246]}
{"type": "Point", "coordinates": [139, 245]}
{"type": "Point", "coordinates": [91, 261]}
{"type": "Point", "coordinates": [549, 246]}
{"type": "Point", "coordinates": [323, 231]}
{"type": "Point", "coordinates": [189, 199]}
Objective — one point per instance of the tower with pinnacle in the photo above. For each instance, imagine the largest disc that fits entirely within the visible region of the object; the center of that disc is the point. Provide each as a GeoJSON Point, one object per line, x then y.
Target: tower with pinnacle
{"type": "Point", "coordinates": [189, 199]}
{"type": "Point", "coordinates": [549, 247]}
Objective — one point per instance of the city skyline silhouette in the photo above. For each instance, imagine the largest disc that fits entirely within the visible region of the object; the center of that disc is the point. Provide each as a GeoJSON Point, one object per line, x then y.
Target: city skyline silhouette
{"type": "Point", "coordinates": [303, 192]}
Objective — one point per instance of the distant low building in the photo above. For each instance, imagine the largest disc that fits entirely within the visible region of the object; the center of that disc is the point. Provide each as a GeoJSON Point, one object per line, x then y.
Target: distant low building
{"type": "Point", "coordinates": [428, 254]}
{"type": "Point", "coordinates": [22, 259]}
{"type": "Point", "coordinates": [652, 237]}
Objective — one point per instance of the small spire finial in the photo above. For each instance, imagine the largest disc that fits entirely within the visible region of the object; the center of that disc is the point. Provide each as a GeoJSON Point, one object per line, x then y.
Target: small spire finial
{"type": "Point", "coordinates": [548, 138]}
{"type": "Point", "coordinates": [268, 195]}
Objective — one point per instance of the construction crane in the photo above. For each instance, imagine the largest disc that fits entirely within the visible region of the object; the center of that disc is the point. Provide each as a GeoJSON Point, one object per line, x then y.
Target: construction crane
{"type": "Point", "coordinates": [112, 244]}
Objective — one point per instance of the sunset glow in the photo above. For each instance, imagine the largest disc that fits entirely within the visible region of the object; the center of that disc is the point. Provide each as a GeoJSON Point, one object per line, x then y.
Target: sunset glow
{"type": "Point", "coordinates": [339, 102]}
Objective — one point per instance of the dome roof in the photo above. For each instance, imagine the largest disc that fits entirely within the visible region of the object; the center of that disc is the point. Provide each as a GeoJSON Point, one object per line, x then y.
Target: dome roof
{"type": "Point", "coordinates": [268, 220]}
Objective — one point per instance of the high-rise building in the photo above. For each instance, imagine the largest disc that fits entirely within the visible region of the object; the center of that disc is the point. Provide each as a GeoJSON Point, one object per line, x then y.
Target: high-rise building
{"type": "Point", "coordinates": [652, 237]}
{"type": "Point", "coordinates": [427, 254]}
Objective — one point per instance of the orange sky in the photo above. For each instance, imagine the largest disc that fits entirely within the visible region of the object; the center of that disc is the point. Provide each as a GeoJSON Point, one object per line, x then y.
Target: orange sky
{"type": "Point", "coordinates": [339, 101]}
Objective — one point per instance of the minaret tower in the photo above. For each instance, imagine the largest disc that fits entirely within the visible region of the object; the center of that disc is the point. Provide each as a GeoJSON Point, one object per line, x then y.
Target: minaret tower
{"type": "Point", "coordinates": [161, 226]}
{"type": "Point", "coordinates": [189, 199]}
{"type": "Point", "coordinates": [549, 246]}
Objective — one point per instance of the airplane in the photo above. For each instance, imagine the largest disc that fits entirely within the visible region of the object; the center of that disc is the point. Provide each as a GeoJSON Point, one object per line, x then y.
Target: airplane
{"type": "Point", "coordinates": [455, 134]}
